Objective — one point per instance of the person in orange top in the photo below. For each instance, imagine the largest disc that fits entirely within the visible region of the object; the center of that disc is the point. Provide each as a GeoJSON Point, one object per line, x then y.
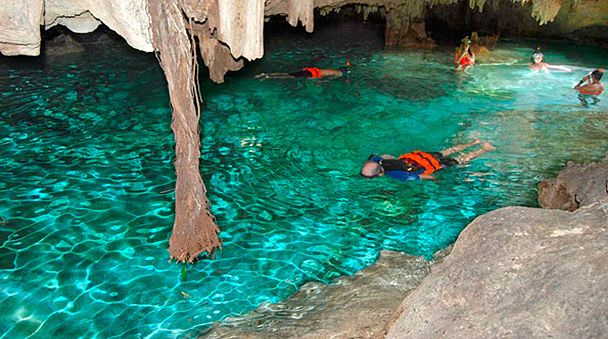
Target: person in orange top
{"type": "Point", "coordinates": [464, 56]}
{"type": "Point", "coordinates": [419, 165]}
{"type": "Point", "coordinates": [309, 72]}
{"type": "Point", "coordinates": [592, 89]}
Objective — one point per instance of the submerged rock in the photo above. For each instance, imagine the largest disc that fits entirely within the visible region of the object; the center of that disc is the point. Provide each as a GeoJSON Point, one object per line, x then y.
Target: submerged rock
{"type": "Point", "coordinates": [517, 273]}
{"type": "Point", "coordinates": [356, 306]}
{"type": "Point", "coordinates": [577, 185]}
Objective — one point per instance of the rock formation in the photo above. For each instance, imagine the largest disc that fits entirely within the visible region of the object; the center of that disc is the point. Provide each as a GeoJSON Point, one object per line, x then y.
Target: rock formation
{"type": "Point", "coordinates": [575, 186]}
{"type": "Point", "coordinates": [522, 272]}
{"type": "Point", "coordinates": [356, 306]}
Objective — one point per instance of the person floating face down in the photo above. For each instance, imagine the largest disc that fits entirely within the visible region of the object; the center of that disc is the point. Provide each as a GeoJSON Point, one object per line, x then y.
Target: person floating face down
{"type": "Point", "coordinates": [419, 165]}
{"type": "Point", "coordinates": [309, 72]}
{"type": "Point", "coordinates": [536, 61]}
{"type": "Point", "coordinates": [592, 89]}
{"type": "Point", "coordinates": [464, 56]}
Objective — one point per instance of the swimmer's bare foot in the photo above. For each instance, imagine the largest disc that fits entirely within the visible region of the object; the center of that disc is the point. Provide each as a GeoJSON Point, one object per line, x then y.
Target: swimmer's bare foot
{"type": "Point", "coordinates": [488, 146]}
{"type": "Point", "coordinates": [477, 141]}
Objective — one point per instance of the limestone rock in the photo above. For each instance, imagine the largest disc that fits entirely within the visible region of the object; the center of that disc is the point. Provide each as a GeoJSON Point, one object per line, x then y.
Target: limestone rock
{"type": "Point", "coordinates": [129, 18]}
{"type": "Point", "coordinates": [577, 185]}
{"type": "Point", "coordinates": [63, 44]}
{"type": "Point", "coordinates": [356, 306]}
{"type": "Point", "coordinates": [20, 22]}
{"type": "Point", "coordinates": [517, 273]}
{"type": "Point", "coordinates": [241, 26]}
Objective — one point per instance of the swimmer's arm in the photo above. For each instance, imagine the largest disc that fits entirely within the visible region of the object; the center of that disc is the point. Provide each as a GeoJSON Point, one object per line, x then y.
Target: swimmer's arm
{"type": "Point", "coordinates": [559, 67]}
{"type": "Point", "coordinates": [330, 72]}
{"type": "Point", "coordinates": [427, 177]}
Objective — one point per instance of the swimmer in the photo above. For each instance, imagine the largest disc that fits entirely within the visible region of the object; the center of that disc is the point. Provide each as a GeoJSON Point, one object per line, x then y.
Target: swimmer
{"type": "Point", "coordinates": [464, 57]}
{"type": "Point", "coordinates": [420, 165]}
{"type": "Point", "coordinates": [592, 89]}
{"type": "Point", "coordinates": [537, 63]}
{"type": "Point", "coordinates": [309, 72]}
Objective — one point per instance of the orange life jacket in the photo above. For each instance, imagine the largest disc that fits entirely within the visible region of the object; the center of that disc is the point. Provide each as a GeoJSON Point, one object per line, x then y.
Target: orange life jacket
{"type": "Point", "coordinates": [316, 72]}
{"type": "Point", "coordinates": [425, 160]}
{"type": "Point", "coordinates": [585, 92]}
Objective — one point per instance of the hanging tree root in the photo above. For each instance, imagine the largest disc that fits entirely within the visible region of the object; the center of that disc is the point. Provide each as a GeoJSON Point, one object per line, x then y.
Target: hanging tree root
{"type": "Point", "coordinates": [195, 230]}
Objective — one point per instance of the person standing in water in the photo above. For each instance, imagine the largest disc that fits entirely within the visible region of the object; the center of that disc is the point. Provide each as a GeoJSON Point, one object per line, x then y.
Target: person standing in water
{"type": "Point", "coordinates": [420, 165]}
{"type": "Point", "coordinates": [309, 72]}
{"type": "Point", "coordinates": [592, 89]}
{"type": "Point", "coordinates": [464, 57]}
{"type": "Point", "coordinates": [536, 61]}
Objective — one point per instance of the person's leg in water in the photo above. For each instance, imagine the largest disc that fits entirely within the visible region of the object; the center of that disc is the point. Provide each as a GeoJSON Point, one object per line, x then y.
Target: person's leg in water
{"type": "Point", "coordinates": [583, 99]}
{"type": "Point", "coordinates": [264, 76]}
{"type": "Point", "coordinates": [459, 148]}
{"type": "Point", "coordinates": [463, 159]}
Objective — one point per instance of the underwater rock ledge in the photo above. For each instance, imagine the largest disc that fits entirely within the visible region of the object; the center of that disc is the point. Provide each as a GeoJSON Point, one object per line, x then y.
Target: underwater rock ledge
{"type": "Point", "coordinates": [356, 306]}
{"type": "Point", "coordinates": [516, 272]}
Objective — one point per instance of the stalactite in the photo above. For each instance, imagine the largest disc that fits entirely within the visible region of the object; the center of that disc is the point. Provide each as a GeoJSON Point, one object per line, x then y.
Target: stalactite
{"type": "Point", "coordinates": [545, 11]}
{"type": "Point", "coordinates": [216, 55]}
{"type": "Point", "coordinates": [477, 3]}
{"type": "Point", "coordinates": [301, 10]}
{"type": "Point", "coordinates": [241, 27]}
{"type": "Point", "coordinates": [194, 231]}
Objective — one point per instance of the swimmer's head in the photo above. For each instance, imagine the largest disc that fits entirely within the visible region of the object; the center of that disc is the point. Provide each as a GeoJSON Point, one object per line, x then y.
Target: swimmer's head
{"type": "Point", "coordinates": [347, 68]}
{"type": "Point", "coordinates": [537, 56]}
{"type": "Point", "coordinates": [598, 74]}
{"type": "Point", "coordinates": [371, 169]}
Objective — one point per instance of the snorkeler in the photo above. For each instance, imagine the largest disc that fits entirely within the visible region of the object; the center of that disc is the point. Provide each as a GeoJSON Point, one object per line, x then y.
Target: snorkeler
{"type": "Point", "coordinates": [309, 72]}
{"type": "Point", "coordinates": [537, 61]}
{"type": "Point", "coordinates": [419, 165]}
{"type": "Point", "coordinates": [464, 56]}
{"type": "Point", "coordinates": [592, 89]}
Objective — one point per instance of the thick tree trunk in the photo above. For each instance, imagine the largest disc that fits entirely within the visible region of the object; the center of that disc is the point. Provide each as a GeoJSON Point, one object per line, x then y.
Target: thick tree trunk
{"type": "Point", "coordinates": [194, 231]}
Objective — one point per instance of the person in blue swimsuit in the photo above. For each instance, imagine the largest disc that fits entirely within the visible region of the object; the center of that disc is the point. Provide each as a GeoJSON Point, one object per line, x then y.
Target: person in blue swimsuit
{"type": "Point", "coordinates": [420, 165]}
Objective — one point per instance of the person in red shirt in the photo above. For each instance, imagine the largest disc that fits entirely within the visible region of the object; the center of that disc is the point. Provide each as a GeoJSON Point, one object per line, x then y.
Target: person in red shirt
{"type": "Point", "coordinates": [464, 57]}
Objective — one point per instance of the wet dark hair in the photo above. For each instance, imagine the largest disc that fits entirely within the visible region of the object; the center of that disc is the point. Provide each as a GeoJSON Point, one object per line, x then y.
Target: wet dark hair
{"type": "Point", "coordinates": [598, 74]}
{"type": "Point", "coordinates": [537, 53]}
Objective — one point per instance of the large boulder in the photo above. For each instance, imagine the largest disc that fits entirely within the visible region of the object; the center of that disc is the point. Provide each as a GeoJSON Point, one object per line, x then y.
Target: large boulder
{"type": "Point", "coordinates": [517, 273]}
{"type": "Point", "coordinates": [577, 185]}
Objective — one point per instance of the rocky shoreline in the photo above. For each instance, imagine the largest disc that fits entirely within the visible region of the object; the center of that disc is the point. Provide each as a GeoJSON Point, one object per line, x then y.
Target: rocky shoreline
{"type": "Point", "coordinates": [516, 272]}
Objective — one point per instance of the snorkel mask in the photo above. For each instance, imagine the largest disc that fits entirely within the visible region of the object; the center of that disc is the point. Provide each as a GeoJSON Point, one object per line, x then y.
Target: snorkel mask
{"type": "Point", "coordinates": [346, 69]}
{"type": "Point", "coordinates": [536, 54]}
{"type": "Point", "coordinates": [466, 40]}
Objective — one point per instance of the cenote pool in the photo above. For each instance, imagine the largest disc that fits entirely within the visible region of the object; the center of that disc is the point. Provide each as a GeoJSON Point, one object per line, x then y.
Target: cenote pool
{"type": "Point", "coordinates": [86, 176]}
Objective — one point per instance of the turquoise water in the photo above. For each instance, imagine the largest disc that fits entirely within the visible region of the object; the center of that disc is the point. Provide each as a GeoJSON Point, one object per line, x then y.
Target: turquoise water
{"type": "Point", "coordinates": [86, 178]}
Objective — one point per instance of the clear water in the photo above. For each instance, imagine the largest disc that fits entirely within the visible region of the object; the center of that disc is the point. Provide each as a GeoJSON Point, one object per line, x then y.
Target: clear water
{"type": "Point", "coordinates": [86, 175]}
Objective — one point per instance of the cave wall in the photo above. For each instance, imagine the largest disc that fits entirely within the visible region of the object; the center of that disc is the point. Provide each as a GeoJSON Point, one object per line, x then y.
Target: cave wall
{"type": "Point", "coordinates": [230, 30]}
{"type": "Point", "coordinates": [238, 25]}
{"type": "Point", "coordinates": [574, 19]}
